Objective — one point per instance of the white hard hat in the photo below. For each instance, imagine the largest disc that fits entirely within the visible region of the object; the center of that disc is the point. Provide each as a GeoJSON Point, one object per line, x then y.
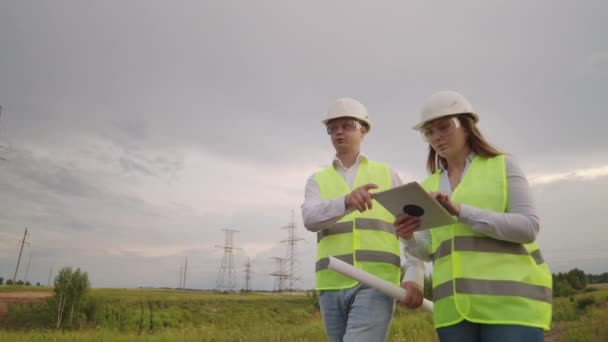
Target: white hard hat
{"type": "Point", "coordinates": [445, 103]}
{"type": "Point", "coordinates": [347, 107]}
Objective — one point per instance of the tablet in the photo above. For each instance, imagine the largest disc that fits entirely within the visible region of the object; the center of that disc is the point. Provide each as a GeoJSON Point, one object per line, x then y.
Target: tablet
{"type": "Point", "coordinates": [412, 199]}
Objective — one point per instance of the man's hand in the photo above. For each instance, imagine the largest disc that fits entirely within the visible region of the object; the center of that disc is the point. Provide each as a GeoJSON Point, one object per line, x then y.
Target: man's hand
{"type": "Point", "coordinates": [446, 202]}
{"type": "Point", "coordinates": [414, 296]}
{"type": "Point", "coordinates": [406, 225]}
{"type": "Point", "coordinates": [360, 198]}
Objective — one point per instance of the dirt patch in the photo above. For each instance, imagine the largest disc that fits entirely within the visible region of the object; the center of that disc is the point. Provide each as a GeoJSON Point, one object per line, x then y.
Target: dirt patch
{"type": "Point", "coordinates": [21, 297]}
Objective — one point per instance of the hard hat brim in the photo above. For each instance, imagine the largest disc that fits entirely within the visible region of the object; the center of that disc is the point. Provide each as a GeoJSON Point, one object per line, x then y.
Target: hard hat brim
{"type": "Point", "coordinates": [419, 126]}
{"type": "Point", "coordinates": [365, 121]}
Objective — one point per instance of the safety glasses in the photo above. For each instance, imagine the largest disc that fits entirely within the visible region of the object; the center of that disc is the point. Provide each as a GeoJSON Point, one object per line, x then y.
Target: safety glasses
{"type": "Point", "coordinates": [346, 126]}
{"type": "Point", "coordinates": [442, 127]}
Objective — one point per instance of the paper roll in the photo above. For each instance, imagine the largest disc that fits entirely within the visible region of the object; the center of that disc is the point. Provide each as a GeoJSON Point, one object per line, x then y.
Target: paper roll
{"type": "Point", "coordinates": [373, 281]}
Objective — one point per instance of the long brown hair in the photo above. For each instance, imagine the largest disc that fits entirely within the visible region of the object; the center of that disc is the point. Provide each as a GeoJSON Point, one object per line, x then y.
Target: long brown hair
{"type": "Point", "coordinates": [476, 141]}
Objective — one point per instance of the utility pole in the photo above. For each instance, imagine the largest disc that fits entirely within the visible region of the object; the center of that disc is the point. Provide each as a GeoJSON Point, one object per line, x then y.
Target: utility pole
{"type": "Point", "coordinates": [226, 279]}
{"type": "Point", "coordinates": [27, 269]}
{"type": "Point", "coordinates": [185, 272]}
{"type": "Point", "coordinates": [23, 242]}
{"type": "Point", "coordinates": [1, 116]}
{"type": "Point", "coordinates": [50, 273]}
{"type": "Point", "coordinates": [181, 276]}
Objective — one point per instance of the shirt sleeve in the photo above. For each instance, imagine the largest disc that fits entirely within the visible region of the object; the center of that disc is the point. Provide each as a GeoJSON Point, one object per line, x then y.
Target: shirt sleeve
{"type": "Point", "coordinates": [519, 224]}
{"type": "Point", "coordinates": [419, 246]}
{"type": "Point", "coordinates": [318, 214]}
{"type": "Point", "coordinates": [395, 179]}
{"type": "Point", "coordinates": [414, 267]}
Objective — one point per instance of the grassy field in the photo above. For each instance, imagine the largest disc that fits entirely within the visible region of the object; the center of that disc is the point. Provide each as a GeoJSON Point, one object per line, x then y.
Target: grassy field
{"type": "Point", "coordinates": [167, 315]}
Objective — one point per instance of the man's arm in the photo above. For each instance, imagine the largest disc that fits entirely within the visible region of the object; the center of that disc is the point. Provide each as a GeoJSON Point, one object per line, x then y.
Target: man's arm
{"type": "Point", "coordinates": [414, 269]}
{"type": "Point", "coordinates": [413, 280]}
{"type": "Point", "coordinates": [318, 214]}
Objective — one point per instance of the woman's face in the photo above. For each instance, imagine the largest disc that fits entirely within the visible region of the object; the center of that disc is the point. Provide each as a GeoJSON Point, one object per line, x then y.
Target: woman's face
{"type": "Point", "coordinates": [446, 136]}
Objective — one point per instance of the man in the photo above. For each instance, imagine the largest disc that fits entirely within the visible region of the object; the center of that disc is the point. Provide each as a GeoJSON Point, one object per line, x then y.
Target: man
{"type": "Point", "coordinates": [351, 226]}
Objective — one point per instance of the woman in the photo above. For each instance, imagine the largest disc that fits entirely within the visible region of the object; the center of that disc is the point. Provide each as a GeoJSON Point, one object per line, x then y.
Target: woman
{"type": "Point", "coordinates": [490, 282]}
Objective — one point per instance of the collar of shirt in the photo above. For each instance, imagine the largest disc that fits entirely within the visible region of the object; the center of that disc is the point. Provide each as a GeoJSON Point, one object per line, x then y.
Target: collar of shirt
{"type": "Point", "coordinates": [338, 163]}
{"type": "Point", "coordinates": [468, 161]}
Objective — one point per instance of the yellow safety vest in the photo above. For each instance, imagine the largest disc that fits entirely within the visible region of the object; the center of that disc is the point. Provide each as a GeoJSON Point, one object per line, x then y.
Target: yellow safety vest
{"type": "Point", "coordinates": [366, 240]}
{"type": "Point", "coordinates": [482, 279]}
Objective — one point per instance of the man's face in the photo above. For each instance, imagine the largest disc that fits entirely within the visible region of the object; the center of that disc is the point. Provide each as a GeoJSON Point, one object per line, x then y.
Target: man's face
{"type": "Point", "coordinates": [346, 134]}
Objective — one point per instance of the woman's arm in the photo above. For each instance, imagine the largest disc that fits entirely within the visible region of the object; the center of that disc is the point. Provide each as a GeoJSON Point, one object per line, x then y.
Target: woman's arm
{"type": "Point", "coordinates": [519, 224]}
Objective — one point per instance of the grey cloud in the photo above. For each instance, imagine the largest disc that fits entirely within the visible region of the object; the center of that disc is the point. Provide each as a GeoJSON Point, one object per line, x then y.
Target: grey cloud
{"type": "Point", "coordinates": [49, 175]}
{"type": "Point", "coordinates": [129, 165]}
{"type": "Point", "coordinates": [133, 92]}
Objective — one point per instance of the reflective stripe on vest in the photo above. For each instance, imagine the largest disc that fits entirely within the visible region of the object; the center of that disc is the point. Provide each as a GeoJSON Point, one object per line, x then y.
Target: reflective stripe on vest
{"type": "Point", "coordinates": [481, 279]}
{"type": "Point", "coordinates": [365, 240]}
{"type": "Point", "coordinates": [361, 223]}
{"type": "Point", "coordinates": [362, 255]}
{"type": "Point", "coordinates": [484, 244]}
{"type": "Point", "coordinates": [494, 288]}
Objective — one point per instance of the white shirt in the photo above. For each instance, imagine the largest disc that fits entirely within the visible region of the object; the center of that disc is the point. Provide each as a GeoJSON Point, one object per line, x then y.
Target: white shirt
{"type": "Point", "coordinates": [519, 224]}
{"type": "Point", "coordinates": [318, 214]}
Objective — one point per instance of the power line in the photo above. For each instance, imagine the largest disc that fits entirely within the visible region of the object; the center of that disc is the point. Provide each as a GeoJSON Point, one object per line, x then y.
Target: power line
{"type": "Point", "coordinates": [226, 278]}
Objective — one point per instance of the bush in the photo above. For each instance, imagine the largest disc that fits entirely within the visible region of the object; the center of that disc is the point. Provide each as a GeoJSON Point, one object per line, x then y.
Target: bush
{"type": "Point", "coordinates": [561, 288]}
{"type": "Point", "coordinates": [584, 302]}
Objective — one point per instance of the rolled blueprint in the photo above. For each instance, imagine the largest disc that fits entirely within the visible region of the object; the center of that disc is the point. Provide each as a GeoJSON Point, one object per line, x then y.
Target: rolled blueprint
{"type": "Point", "coordinates": [373, 281]}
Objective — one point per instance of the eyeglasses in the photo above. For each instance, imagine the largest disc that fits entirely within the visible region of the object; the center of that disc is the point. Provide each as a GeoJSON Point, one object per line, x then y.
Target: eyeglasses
{"type": "Point", "coordinates": [347, 126]}
{"type": "Point", "coordinates": [443, 128]}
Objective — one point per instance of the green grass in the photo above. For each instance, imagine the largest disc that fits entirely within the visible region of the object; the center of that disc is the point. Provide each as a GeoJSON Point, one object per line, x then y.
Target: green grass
{"type": "Point", "coordinates": [168, 315]}
{"type": "Point", "coordinates": [582, 317]}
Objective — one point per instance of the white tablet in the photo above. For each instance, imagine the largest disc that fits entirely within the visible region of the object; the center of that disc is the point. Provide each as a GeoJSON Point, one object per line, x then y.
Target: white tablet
{"type": "Point", "coordinates": [413, 200]}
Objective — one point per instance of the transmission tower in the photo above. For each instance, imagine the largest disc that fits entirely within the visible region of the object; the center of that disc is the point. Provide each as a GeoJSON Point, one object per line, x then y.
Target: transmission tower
{"type": "Point", "coordinates": [226, 277]}
{"type": "Point", "coordinates": [248, 272]}
{"type": "Point", "coordinates": [279, 275]}
{"type": "Point", "coordinates": [291, 256]}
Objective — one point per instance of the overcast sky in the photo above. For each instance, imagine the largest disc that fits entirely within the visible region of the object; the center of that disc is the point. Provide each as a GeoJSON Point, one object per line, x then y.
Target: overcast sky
{"type": "Point", "coordinates": [135, 131]}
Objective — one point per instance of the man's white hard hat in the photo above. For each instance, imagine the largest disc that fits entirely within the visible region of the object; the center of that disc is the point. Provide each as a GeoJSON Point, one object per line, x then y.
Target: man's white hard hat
{"type": "Point", "coordinates": [445, 103]}
{"type": "Point", "coordinates": [348, 108]}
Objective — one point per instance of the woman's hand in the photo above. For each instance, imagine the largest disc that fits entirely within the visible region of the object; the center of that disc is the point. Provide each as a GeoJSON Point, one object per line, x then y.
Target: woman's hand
{"type": "Point", "coordinates": [406, 225]}
{"type": "Point", "coordinates": [446, 202]}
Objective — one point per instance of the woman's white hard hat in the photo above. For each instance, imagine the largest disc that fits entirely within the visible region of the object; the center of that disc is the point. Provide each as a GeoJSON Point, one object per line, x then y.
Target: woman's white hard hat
{"type": "Point", "coordinates": [445, 103]}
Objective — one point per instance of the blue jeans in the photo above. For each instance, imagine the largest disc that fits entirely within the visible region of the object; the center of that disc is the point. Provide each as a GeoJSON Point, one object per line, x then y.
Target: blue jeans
{"type": "Point", "coordinates": [360, 313]}
{"type": "Point", "coordinates": [466, 331]}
